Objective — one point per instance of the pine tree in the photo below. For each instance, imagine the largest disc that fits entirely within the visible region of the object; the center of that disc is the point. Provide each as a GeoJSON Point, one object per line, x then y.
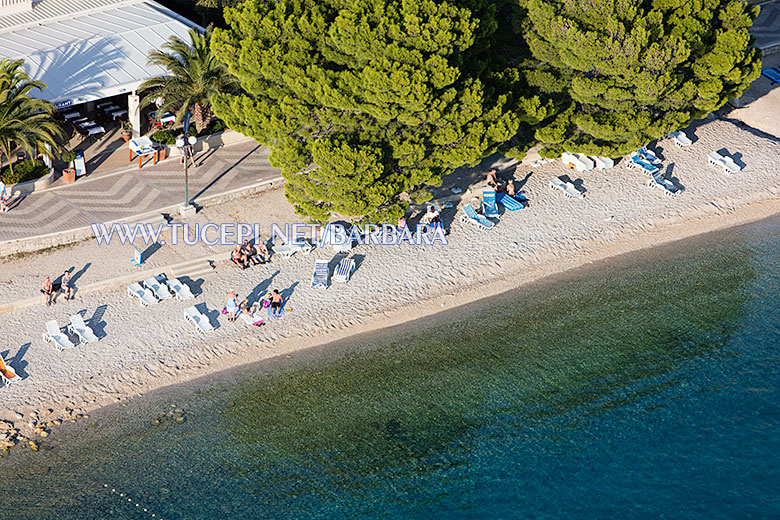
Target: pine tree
{"type": "Point", "coordinates": [626, 72]}
{"type": "Point", "coordinates": [366, 103]}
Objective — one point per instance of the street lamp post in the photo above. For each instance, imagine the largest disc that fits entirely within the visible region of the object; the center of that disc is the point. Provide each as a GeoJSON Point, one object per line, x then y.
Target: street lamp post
{"type": "Point", "coordinates": [185, 148]}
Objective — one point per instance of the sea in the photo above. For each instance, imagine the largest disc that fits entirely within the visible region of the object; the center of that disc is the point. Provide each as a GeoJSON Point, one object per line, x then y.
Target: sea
{"type": "Point", "coordinates": [645, 386]}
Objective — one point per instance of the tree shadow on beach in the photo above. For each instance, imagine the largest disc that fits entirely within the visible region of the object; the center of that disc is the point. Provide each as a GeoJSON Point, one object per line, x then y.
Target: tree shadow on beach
{"type": "Point", "coordinates": [17, 362]}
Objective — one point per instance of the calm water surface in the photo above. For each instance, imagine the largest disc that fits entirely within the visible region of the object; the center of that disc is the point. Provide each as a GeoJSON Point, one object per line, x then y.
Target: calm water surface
{"type": "Point", "coordinates": [645, 387]}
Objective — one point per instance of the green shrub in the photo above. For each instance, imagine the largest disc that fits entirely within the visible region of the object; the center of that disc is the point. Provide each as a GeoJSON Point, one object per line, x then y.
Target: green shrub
{"type": "Point", "coordinates": [24, 171]}
{"type": "Point", "coordinates": [163, 137]}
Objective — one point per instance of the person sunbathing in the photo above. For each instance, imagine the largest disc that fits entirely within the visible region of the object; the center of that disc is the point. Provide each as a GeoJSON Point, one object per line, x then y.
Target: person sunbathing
{"type": "Point", "coordinates": [510, 188]}
{"type": "Point", "coordinates": [276, 302]}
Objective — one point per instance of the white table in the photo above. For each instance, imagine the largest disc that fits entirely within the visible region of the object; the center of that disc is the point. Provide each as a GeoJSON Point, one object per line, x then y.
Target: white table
{"type": "Point", "coordinates": [97, 129]}
{"type": "Point", "coordinates": [110, 108]}
{"type": "Point", "coordinates": [105, 104]}
{"type": "Point", "coordinates": [79, 120]}
{"type": "Point", "coordinates": [86, 124]}
{"type": "Point", "coordinates": [168, 118]}
{"type": "Point", "coordinates": [142, 147]}
{"type": "Point", "coordinates": [71, 115]}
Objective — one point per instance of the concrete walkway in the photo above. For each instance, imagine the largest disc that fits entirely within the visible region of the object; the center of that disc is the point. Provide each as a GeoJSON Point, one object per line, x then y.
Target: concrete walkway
{"type": "Point", "coordinates": [129, 192]}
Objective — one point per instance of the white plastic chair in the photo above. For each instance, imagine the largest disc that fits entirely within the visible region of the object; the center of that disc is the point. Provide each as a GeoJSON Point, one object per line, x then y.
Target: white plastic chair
{"type": "Point", "coordinates": [81, 329]}
{"type": "Point", "coordinates": [54, 335]}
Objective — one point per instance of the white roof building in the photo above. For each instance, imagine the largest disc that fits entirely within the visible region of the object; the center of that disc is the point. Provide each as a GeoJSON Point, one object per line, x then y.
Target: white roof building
{"type": "Point", "coordinates": [85, 50]}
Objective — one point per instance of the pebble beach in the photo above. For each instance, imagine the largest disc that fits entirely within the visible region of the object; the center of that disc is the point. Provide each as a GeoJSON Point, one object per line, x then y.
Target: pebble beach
{"type": "Point", "coordinates": [144, 348]}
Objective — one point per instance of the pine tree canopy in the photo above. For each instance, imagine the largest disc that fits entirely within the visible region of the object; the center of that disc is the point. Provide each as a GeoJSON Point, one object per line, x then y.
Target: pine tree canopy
{"type": "Point", "coordinates": [625, 72]}
{"type": "Point", "coordinates": [364, 103]}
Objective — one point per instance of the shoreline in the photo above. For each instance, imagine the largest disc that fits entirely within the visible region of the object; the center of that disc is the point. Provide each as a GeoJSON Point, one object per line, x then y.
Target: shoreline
{"type": "Point", "coordinates": [554, 236]}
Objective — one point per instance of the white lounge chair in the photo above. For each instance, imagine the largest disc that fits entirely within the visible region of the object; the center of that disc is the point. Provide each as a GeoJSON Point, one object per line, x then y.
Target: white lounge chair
{"type": "Point", "coordinates": [319, 277]}
{"type": "Point", "coordinates": [343, 271]}
{"type": "Point", "coordinates": [81, 329]}
{"type": "Point", "coordinates": [603, 163]}
{"type": "Point", "coordinates": [145, 296]}
{"type": "Point", "coordinates": [179, 289]}
{"type": "Point", "coordinates": [681, 139]}
{"type": "Point", "coordinates": [55, 335]}
{"type": "Point", "coordinates": [7, 374]}
{"type": "Point", "coordinates": [568, 189]}
{"type": "Point", "coordinates": [202, 323]}
{"type": "Point", "coordinates": [287, 250]}
{"type": "Point", "coordinates": [159, 289]}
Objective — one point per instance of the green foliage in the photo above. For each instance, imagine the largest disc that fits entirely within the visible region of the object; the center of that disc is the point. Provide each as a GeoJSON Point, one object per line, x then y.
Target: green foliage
{"type": "Point", "coordinates": [24, 171]}
{"type": "Point", "coordinates": [24, 120]}
{"type": "Point", "coordinates": [194, 77]}
{"type": "Point", "coordinates": [163, 137]}
{"type": "Point", "coordinates": [366, 103]}
{"type": "Point", "coordinates": [68, 156]}
{"type": "Point", "coordinates": [625, 73]}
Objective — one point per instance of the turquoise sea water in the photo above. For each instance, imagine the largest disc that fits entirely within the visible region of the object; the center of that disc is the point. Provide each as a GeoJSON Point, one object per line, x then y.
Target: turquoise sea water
{"type": "Point", "coordinates": [643, 387]}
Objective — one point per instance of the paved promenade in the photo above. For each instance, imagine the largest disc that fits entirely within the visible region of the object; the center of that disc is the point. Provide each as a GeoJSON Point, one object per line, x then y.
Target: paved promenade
{"type": "Point", "coordinates": [123, 194]}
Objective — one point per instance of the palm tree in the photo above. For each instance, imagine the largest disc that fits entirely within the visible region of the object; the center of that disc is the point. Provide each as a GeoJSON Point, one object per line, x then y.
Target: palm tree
{"type": "Point", "coordinates": [195, 76]}
{"type": "Point", "coordinates": [24, 120]}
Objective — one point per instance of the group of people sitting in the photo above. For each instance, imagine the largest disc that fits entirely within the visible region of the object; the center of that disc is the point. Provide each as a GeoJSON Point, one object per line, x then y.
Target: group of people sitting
{"type": "Point", "coordinates": [496, 184]}
{"type": "Point", "coordinates": [233, 309]}
{"type": "Point", "coordinates": [249, 253]}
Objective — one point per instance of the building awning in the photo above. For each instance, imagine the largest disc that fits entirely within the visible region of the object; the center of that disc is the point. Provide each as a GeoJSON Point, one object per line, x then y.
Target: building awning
{"type": "Point", "coordinates": [89, 49]}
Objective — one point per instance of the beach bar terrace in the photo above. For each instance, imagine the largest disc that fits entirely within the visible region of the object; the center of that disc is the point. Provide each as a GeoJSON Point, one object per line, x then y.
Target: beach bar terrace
{"type": "Point", "coordinates": [88, 50]}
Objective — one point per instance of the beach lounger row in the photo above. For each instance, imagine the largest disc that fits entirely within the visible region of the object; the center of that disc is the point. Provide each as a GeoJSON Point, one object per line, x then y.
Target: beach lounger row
{"type": "Point", "coordinates": [681, 139]}
{"type": "Point", "coordinates": [158, 288]}
{"type": "Point", "coordinates": [567, 188]}
{"type": "Point", "coordinates": [342, 273]}
{"type": "Point", "coordinates": [635, 160]}
{"type": "Point", "coordinates": [76, 327]}
{"type": "Point", "coordinates": [658, 181]}
{"type": "Point", "coordinates": [724, 161]}
{"type": "Point", "coordinates": [584, 163]}
{"type": "Point", "coordinates": [7, 374]}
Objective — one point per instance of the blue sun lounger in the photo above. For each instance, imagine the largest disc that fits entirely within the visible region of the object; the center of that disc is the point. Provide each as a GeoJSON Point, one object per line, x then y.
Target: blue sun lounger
{"type": "Point", "coordinates": [471, 216]}
{"type": "Point", "coordinates": [489, 207]}
{"type": "Point", "coordinates": [509, 202]}
{"type": "Point", "coordinates": [772, 74]}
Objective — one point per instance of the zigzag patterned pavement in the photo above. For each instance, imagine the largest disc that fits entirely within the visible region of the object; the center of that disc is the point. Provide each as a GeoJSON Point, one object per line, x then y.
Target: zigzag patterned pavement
{"type": "Point", "coordinates": [121, 195]}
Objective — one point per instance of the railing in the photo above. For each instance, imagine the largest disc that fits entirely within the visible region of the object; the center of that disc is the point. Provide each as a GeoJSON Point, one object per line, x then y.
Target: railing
{"type": "Point", "coordinates": [14, 6]}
